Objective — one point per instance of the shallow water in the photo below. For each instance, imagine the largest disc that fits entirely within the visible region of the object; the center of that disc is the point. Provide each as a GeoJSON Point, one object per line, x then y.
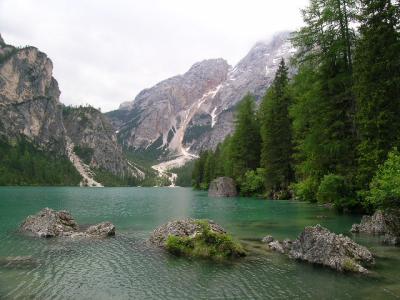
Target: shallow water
{"type": "Point", "coordinates": [125, 267]}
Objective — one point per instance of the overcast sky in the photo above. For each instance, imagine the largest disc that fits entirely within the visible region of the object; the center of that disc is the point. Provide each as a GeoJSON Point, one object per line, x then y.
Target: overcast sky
{"type": "Point", "coordinates": [106, 51]}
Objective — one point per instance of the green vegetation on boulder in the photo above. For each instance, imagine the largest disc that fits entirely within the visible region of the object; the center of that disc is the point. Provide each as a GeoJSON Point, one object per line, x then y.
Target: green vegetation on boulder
{"type": "Point", "coordinates": [206, 244]}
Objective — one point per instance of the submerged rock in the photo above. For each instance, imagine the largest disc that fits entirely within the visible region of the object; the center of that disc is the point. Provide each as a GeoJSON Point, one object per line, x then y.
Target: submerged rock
{"type": "Point", "coordinates": [385, 223]}
{"type": "Point", "coordinates": [222, 187]}
{"type": "Point", "coordinates": [318, 245]}
{"type": "Point", "coordinates": [51, 223]}
{"type": "Point", "coordinates": [201, 238]}
{"type": "Point", "coordinates": [18, 262]}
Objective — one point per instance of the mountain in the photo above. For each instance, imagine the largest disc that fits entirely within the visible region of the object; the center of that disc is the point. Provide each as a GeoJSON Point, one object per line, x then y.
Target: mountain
{"type": "Point", "coordinates": [30, 112]}
{"type": "Point", "coordinates": [180, 116]}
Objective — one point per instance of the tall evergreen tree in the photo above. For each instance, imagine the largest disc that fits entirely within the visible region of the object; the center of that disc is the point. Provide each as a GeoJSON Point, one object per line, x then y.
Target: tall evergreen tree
{"type": "Point", "coordinates": [245, 142]}
{"type": "Point", "coordinates": [324, 111]}
{"type": "Point", "coordinates": [377, 85]}
{"type": "Point", "coordinates": [276, 149]}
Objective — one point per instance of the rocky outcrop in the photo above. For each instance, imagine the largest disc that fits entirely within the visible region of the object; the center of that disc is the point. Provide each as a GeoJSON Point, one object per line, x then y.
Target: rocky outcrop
{"type": "Point", "coordinates": [29, 99]}
{"type": "Point", "coordinates": [317, 245]}
{"type": "Point", "coordinates": [197, 238]}
{"type": "Point", "coordinates": [50, 223]}
{"type": "Point", "coordinates": [222, 187]}
{"type": "Point", "coordinates": [181, 228]}
{"type": "Point", "coordinates": [385, 223]}
{"type": "Point", "coordinates": [92, 134]}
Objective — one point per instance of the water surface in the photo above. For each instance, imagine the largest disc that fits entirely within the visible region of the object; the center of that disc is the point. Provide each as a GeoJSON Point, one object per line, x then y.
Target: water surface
{"type": "Point", "coordinates": [125, 267]}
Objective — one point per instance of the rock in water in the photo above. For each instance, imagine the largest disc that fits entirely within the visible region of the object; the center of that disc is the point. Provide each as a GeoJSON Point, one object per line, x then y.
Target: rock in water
{"type": "Point", "coordinates": [103, 229]}
{"type": "Point", "coordinates": [320, 246]}
{"type": "Point", "coordinates": [180, 228]}
{"type": "Point", "coordinates": [17, 262]}
{"type": "Point", "coordinates": [385, 223]}
{"type": "Point", "coordinates": [196, 238]}
{"type": "Point", "coordinates": [51, 223]}
{"type": "Point", "coordinates": [222, 187]}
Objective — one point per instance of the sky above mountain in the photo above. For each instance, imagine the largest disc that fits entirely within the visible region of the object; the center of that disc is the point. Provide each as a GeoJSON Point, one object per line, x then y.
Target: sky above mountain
{"type": "Point", "coordinates": [105, 52]}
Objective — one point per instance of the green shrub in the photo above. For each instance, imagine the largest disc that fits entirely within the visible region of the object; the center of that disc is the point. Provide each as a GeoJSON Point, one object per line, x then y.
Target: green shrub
{"type": "Point", "coordinates": [207, 244]}
{"type": "Point", "coordinates": [331, 188]}
{"type": "Point", "coordinates": [306, 190]}
{"type": "Point", "coordinates": [385, 185]}
{"type": "Point", "coordinates": [253, 182]}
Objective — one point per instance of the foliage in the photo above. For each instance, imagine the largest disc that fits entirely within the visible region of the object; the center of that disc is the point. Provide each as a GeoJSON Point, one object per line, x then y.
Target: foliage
{"type": "Point", "coordinates": [246, 141]}
{"type": "Point", "coordinates": [107, 178]}
{"type": "Point", "coordinates": [207, 244]}
{"type": "Point", "coordinates": [306, 189]}
{"type": "Point", "coordinates": [84, 153]}
{"type": "Point", "coordinates": [276, 134]}
{"type": "Point", "coordinates": [184, 174]}
{"type": "Point", "coordinates": [385, 185]}
{"type": "Point", "coordinates": [25, 164]}
{"type": "Point", "coordinates": [377, 86]}
{"type": "Point", "coordinates": [334, 189]}
{"type": "Point", "coordinates": [253, 182]}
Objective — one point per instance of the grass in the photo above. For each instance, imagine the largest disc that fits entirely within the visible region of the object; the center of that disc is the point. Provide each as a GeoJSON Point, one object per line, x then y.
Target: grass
{"type": "Point", "coordinates": [207, 244]}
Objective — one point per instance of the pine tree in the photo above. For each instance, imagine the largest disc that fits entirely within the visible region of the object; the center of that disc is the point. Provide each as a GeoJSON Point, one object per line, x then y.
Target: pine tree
{"type": "Point", "coordinates": [377, 86]}
{"type": "Point", "coordinates": [323, 111]}
{"type": "Point", "coordinates": [245, 143]}
{"type": "Point", "coordinates": [276, 149]}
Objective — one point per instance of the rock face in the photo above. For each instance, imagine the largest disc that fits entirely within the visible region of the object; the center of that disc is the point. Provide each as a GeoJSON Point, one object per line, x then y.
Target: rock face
{"type": "Point", "coordinates": [30, 109]}
{"type": "Point", "coordinates": [180, 228]}
{"type": "Point", "coordinates": [93, 133]}
{"type": "Point", "coordinates": [222, 187]}
{"type": "Point", "coordinates": [195, 111]}
{"type": "Point", "coordinates": [381, 223]}
{"type": "Point", "coordinates": [29, 98]}
{"type": "Point", "coordinates": [50, 223]}
{"type": "Point", "coordinates": [318, 245]}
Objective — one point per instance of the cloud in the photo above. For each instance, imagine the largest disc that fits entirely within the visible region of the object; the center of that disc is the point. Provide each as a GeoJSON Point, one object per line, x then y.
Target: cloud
{"type": "Point", "coordinates": [105, 52]}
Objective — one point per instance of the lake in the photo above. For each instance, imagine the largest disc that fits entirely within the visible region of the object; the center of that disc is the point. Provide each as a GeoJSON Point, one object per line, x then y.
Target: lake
{"type": "Point", "coordinates": [126, 267]}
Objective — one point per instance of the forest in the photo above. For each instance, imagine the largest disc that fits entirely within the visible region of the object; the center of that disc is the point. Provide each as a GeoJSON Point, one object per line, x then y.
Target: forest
{"type": "Point", "coordinates": [327, 129]}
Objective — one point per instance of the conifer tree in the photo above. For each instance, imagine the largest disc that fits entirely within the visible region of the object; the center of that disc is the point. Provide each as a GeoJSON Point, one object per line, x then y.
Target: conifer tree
{"type": "Point", "coordinates": [377, 86]}
{"type": "Point", "coordinates": [245, 142]}
{"type": "Point", "coordinates": [276, 149]}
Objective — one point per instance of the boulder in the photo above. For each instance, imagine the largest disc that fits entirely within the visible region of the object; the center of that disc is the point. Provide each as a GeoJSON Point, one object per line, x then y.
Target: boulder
{"type": "Point", "coordinates": [181, 228]}
{"type": "Point", "coordinates": [222, 187]}
{"type": "Point", "coordinates": [51, 223]}
{"type": "Point", "coordinates": [267, 239]}
{"type": "Point", "coordinates": [196, 238]}
{"type": "Point", "coordinates": [385, 223]}
{"type": "Point", "coordinates": [318, 245]}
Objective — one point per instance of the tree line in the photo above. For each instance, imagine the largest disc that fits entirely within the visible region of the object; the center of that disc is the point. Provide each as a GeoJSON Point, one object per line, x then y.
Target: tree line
{"type": "Point", "coordinates": [330, 132]}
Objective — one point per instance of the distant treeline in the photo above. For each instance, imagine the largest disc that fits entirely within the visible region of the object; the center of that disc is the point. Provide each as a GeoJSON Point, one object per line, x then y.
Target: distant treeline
{"type": "Point", "coordinates": [330, 133]}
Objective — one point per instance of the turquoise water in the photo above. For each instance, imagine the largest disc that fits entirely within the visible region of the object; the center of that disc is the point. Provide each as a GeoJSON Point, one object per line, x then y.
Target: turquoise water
{"type": "Point", "coordinates": [125, 267]}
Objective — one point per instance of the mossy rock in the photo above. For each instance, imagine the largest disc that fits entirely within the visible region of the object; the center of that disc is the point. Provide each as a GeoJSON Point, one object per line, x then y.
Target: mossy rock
{"type": "Point", "coordinates": [197, 238]}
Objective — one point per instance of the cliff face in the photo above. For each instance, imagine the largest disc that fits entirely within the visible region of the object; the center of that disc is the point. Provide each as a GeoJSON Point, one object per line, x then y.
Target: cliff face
{"type": "Point", "coordinates": [29, 98]}
{"type": "Point", "coordinates": [158, 113]}
{"type": "Point", "coordinates": [30, 109]}
{"type": "Point", "coordinates": [95, 141]}
{"type": "Point", "coordinates": [195, 111]}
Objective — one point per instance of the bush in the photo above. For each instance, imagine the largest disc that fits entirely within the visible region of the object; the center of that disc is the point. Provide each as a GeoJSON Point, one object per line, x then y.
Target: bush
{"type": "Point", "coordinates": [333, 189]}
{"type": "Point", "coordinates": [253, 182]}
{"type": "Point", "coordinates": [385, 186]}
{"type": "Point", "coordinates": [306, 190]}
